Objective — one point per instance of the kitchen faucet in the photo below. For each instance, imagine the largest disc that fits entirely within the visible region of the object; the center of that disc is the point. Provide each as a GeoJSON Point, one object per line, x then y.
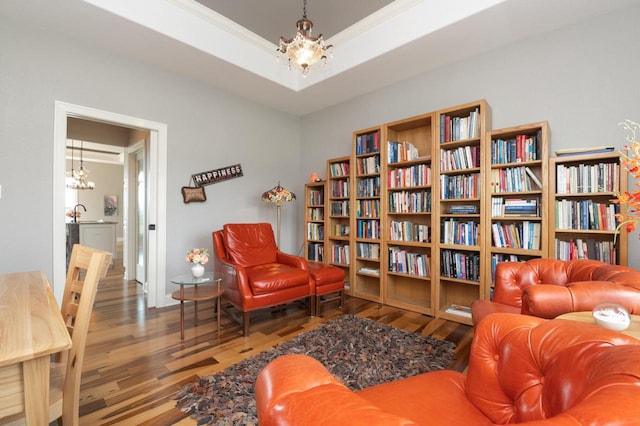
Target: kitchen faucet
{"type": "Point", "coordinates": [75, 212]}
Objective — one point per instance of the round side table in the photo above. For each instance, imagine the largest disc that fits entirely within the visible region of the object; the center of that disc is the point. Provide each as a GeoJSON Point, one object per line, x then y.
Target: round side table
{"type": "Point", "coordinates": [633, 330]}
{"type": "Point", "coordinates": [194, 290]}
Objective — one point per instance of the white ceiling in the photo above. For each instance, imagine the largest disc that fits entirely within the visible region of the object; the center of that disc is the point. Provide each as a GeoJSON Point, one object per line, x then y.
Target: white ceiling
{"type": "Point", "coordinates": [377, 42]}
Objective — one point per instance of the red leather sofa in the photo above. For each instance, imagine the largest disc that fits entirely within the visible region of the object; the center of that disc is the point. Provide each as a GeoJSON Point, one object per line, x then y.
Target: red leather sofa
{"type": "Point", "coordinates": [256, 275]}
{"type": "Point", "coordinates": [522, 369]}
{"type": "Point", "coordinates": [547, 288]}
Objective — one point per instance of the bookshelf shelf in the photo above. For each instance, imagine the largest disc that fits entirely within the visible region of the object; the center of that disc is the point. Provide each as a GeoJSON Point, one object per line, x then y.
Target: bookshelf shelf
{"type": "Point", "coordinates": [517, 183]}
{"type": "Point", "coordinates": [338, 222]}
{"type": "Point", "coordinates": [581, 209]}
{"type": "Point", "coordinates": [314, 220]}
{"type": "Point", "coordinates": [458, 208]}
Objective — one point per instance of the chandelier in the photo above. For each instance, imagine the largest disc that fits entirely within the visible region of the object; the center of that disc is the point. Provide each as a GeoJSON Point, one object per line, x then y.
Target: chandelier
{"type": "Point", "coordinates": [79, 177]}
{"type": "Point", "coordinates": [303, 50]}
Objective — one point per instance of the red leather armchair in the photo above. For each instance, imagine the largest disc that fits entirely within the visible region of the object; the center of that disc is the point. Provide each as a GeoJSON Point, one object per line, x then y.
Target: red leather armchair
{"type": "Point", "coordinates": [522, 369]}
{"type": "Point", "coordinates": [256, 274]}
{"type": "Point", "coordinates": [547, 288]}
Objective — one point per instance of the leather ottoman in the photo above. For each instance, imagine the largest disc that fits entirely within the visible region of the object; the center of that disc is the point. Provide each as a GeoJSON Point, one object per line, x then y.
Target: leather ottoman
{"type": "Point", "coordinates": [328, 279]}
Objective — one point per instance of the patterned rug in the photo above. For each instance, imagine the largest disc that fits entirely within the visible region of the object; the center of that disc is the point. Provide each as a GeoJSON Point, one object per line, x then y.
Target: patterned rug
{"type": "Point", "coordinates": [358, 351]}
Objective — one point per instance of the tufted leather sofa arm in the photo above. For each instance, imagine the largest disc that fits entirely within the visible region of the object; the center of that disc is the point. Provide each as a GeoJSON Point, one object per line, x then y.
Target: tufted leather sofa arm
{"type": "Point", "coordinates": [548, 287]}
{"type": "Point", "coordinates": [522, 369]}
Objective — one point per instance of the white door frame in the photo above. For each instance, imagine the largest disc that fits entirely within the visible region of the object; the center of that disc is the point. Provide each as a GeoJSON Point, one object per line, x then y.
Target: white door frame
{"type": "Point", "coordinates": [157, 208]}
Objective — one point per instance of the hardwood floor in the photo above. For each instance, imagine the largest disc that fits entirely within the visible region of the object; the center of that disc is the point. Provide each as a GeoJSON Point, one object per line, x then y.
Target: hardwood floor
{"type": "Point", "coordinates": [135, 362]}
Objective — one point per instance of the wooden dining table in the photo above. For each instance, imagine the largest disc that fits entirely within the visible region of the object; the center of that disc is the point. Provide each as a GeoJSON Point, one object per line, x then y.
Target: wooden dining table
{"type": "Point", "coordinates": [31, 330]}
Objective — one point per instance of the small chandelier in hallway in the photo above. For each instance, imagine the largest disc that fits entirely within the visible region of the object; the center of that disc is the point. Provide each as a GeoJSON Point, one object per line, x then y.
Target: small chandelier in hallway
{"type": "Point", "coordinates": [79, 177]}
{"type": "Point", "coordinates": [303, 50]}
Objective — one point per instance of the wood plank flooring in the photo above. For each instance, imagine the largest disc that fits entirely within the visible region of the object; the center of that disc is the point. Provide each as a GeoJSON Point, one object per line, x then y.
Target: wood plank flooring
{"type": "Point", "coordinates": [135, 362]}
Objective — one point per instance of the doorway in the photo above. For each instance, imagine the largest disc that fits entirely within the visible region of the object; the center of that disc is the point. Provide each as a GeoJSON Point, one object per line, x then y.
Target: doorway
{"type": "Point", "coordinates": [155, 235]}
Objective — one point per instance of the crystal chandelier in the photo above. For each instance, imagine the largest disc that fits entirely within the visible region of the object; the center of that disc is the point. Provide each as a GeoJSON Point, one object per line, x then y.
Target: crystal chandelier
{"type": "Point", "coordinates": [79, 177]}
{"type": "Point", "coordinates": [303, 50]}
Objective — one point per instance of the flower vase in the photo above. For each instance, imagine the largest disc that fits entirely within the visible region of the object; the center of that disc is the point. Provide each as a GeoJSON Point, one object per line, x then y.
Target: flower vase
{"type": "Point", "coordinates": [197, 270]}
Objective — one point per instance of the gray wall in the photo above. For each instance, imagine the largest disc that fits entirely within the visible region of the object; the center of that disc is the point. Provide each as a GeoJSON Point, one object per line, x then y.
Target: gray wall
{"type": "Point", "coordinates": [207, 129]}
{"type": "Point", "coordinates": [582, 79]}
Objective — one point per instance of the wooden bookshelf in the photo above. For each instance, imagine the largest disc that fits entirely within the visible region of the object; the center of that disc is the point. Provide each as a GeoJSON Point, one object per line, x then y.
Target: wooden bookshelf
{"type": "Point", "coordinates": [408, 223]}
{"type": "Point", "coordinates": [458, 208]}
{"type": "Point", "coordinates": [515, 226]}
{"type": "Point", "coordinates": [368, 181]}
{"type": "Point", "coordinates": [314, 195]}
{"type": "Point", "coordinates": [337, 215]}
{"type": "Point", "coordinates": [581, 209]}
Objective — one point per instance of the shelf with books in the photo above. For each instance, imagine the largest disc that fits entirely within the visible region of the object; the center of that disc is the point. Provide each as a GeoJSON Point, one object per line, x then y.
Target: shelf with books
{"type": "Point", "coordinates": [517, 181]}
{"type": "Point", "coordinates": [314, 220]}
{"type": "Point", "coordinates": [338, 215]}
{"type": "Point", "coordinates": [366, 217]}
{"type": "Point", "coordinates": [580, 205]}
{"type": "Point", "coordinates": [458, 206]}
{"type": "Point", "coordinates": [408, 220]}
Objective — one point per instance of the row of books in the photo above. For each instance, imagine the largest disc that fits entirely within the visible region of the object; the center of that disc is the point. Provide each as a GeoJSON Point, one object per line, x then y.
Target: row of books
{"type": "Point", "coordinates": [368, 228]}
{"type": "Point", "coordinates": [339, 169]}
{"type": "Point", "coordinates": [368, 208]}
{"type": "Point", "coordinates": [586, 214]}
{"type": "Point", "coordinates": [404, 230]}
{"type": "Point", "coordinates": [340, 254]}
{"type": "Point", "coordinates": [340, 208]}
{"type": "Point", "coordinates": [407, 262]}
{"type": "Point", "coordinates": [464, 157]}
{"type": "Point", "coordinates": [587, 178]}
{"type": "Point", "coordinates": [518, 235]}
{"type": "Point", "coordinates": [410, 202]}
{"type": "Point", "coordinates": [514, 179]}
{"type": "Point", "coordinates": [340, 188]}
{"type": "Point", "coordinates": [515, 150]}
{"type": "Point", "coordinates": [316, 198]}
{"type": "Point", "coordinates": [459, 128]}
{"type": "Point", "coordinates": [464, 209]}
{"type": "Point", "coordinates": [316, 213]}
{"type": "Point", "coordinates": [368, 187]}
{"type": "Point", "coordinates": [460, 186]}
{"type": "Point", "coordinates": [368, 251]}
{"type": "Point", "coordinates": [589, 248]}
{"type": "Point", "coordinates": [416, 175]}
{"type": "Point", "coordinates": [454, 231]}
{"type": "Point", "coordinates": [514, 207]}
{"type": "Point", "coordinates": [368, 165]}
{"type": "Point", "coordinates": [315, 231]}
{"type": "Point", "coordinates": [397, 152]}
{"type": "Point", "coordinates": [315, 251]}
{"type": "Point", "coordinates": [340, 230]}
{"type": "Point", "coordinates": [368, 143]}
{"type": "Point", "coordinates": [460, 265]}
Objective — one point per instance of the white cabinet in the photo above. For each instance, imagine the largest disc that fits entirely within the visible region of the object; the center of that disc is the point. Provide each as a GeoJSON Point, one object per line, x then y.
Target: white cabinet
{"type": "Point", "coordinates": [100, 235]}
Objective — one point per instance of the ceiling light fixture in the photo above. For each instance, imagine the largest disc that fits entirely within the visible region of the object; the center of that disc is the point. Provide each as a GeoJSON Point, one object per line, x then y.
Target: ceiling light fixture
{"type": "Point", "coordinates": [79, 177]}
{"type": "Point", "coordinates": [303, 50]}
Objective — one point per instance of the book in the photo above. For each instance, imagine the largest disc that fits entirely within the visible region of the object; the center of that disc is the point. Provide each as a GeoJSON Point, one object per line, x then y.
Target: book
{"type": "Point", "coordinates": [461, 310]}
{"type": "Point", "coordinates": [581, 151]}
{"type": "Point", "coordinates": [533, 177]}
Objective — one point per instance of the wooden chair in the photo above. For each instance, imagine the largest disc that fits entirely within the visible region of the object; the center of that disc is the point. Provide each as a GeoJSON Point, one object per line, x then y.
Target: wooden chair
{"type": "Point", "coordinates": [86, 267]}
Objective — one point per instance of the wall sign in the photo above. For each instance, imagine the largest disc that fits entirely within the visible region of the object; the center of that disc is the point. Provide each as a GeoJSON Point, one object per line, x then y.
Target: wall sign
{"type": "Point", "coordinates": [217, 175]}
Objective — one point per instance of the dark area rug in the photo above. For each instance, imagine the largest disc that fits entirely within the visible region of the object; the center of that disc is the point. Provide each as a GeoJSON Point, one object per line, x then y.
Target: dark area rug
{"type": "Point", "coordinates": [358, 351]}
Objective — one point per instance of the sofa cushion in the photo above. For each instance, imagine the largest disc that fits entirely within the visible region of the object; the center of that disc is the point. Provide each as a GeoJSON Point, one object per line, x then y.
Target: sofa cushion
{"type": "Point", "coordinates": [271, 277]}
{"type": "Point", "coordinates": [250, 244]}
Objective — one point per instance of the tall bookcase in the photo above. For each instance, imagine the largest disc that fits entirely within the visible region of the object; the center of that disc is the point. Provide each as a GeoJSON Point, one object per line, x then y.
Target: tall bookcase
{"type": "Point", "coordinates": [366, 214]}
{"type": "Point", "coordinates": [314, 220]}
{"type": "Point", "coordinates": [408, 225]}
{"type": "Point", "coordinates": [337, 215]}
{"type": "Point", "coordinates": [461, 133]}
{"type": "Point", "coordinates": [583, 187]}
{"type": "Point", "coordinates": [516, 222]}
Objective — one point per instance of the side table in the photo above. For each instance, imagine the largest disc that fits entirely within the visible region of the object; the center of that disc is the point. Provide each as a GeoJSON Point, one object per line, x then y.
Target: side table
{"type": "Point", "coordinates": [194, 290]}
{"type": "Point", "coordinates": [633, 330]}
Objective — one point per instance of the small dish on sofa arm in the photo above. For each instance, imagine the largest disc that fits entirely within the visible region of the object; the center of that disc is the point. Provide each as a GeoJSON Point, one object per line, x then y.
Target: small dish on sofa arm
{"type": "Point", "coordinates": [611, 316]}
